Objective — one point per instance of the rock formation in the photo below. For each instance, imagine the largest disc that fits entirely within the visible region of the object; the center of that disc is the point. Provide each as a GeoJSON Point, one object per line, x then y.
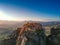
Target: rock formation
{"type": "Point", "coordinates": [54, 38]}
{"type": "Point", "coordinates": [31, 34]}
{"type": "Point", "coordinates": [11, 40]}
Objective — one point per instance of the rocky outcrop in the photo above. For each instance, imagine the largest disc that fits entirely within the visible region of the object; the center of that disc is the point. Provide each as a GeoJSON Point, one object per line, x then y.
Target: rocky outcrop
{"type": "Point", "coordinates": [54, 38]}
{"type": "Point", "coordinates": [11, 39]}
{"type": "Point", "coordinates": [31, 34]}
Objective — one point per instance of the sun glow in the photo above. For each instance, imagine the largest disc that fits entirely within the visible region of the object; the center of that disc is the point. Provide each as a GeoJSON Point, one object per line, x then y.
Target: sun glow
{"type": "Point", "coordinates": [4, 16]}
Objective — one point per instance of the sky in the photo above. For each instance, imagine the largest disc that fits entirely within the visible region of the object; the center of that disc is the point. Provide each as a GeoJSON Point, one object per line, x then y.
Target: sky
{"type": "Point", "coordinates": [36, 10]}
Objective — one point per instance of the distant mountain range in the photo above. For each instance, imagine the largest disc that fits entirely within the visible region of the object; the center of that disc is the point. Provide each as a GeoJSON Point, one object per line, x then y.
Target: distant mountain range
{"type": "Point", "coordinates": [16, 24]}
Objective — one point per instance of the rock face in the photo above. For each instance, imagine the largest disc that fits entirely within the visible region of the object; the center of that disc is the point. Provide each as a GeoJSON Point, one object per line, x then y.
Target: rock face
{"type": "Point", "coordinates": [31, 34]}
{"type": "Point", "coordinates": [11, 40]}
{"type": "Point", "coordinates": [54, 38]}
